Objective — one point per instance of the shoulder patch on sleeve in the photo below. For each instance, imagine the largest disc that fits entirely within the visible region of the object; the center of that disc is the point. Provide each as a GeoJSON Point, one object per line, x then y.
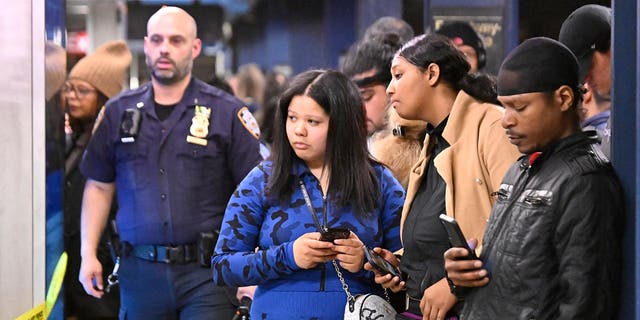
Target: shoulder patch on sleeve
{"type": "Point", "coordinates": [98, 120]}
{"type": "Point", "coordinates": [249, 122]}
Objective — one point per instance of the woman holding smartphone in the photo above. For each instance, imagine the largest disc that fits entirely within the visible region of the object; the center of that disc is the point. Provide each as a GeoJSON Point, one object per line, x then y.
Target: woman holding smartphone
{"type": "Point", "coordinates": [464, 158]}
{"type": "Point", "coordinates": [319, 177]}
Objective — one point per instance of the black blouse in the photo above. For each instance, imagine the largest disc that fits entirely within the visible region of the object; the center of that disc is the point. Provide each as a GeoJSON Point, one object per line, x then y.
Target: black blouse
{"type": "Point", "coordinates": [424, 238]}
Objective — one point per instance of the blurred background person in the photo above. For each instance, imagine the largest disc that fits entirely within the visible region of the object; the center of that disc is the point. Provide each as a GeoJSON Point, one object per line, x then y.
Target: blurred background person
{"type": "Point", "coordinates": [221, 84]}
{"type": "Point", "coordinates": [249, 85]}
{"type": "Point", "coordinates": [92, 81]}
{"type": "Point", "coordinates": [276, 83]}
{"type": "Point", "coordinates": [55, 76]}
{"type": "Point", "coordinates": [595, 111]}
{"type": "Point", "coordinates": [386, 25]}
{"type": "Point", "coordinates": [467, 40]}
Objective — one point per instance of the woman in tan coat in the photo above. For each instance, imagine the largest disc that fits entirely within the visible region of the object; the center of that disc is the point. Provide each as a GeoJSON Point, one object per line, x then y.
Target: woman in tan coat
{"type": "Point", "coordinates": [462, 162]}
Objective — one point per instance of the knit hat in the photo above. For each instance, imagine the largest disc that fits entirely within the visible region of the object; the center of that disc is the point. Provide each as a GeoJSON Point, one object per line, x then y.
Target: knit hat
{"type": "Point", "coordinates": [55, 64]}
{"type": "Point", "coordinates": [461, 33]}
{"type": "Point", "coordinates": [537, 65]}
{"type": "Point", "coordinates": [105, 68]}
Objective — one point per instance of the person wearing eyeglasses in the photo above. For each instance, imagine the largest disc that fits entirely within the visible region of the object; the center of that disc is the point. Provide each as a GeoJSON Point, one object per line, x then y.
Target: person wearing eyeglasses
{"type": "Point", "coordinates": [92, 81]}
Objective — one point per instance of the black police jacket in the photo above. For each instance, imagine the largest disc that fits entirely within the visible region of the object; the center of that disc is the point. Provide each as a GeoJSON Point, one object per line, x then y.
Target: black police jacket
{"type": "Point", "coordinates": [553, 242]}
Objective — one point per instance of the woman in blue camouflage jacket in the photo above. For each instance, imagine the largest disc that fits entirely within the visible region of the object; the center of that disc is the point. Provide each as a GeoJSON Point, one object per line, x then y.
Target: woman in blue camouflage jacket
{"type": "Point", "coordinates": [319, 147]}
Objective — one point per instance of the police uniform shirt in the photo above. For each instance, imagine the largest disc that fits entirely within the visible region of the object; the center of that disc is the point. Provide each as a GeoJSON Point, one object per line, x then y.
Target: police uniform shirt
{"type": "Point", "coordinates": [172, 184]}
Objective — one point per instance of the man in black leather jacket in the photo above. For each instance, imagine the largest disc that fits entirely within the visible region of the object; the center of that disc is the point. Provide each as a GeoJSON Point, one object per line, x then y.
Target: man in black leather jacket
{"type": "Point", "coordinates": [552, 247]}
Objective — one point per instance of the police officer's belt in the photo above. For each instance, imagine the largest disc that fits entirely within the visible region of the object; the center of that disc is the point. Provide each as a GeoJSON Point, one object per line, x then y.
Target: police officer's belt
{"type": "Point", "coordinates": [180, 254]}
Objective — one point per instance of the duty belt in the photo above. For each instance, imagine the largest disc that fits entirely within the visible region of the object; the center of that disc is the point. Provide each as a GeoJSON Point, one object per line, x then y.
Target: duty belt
{"type": "Point", "coordinates": [180, 254]}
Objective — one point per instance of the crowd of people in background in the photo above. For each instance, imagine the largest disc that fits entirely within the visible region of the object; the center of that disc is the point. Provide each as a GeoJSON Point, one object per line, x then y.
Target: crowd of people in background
{"type": "Point", "coordinates": [272, 186]}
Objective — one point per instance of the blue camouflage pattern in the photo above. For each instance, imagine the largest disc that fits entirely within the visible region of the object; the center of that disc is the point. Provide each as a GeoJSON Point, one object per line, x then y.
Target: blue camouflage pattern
{"type": "Point", "coordinates": [253, 220]}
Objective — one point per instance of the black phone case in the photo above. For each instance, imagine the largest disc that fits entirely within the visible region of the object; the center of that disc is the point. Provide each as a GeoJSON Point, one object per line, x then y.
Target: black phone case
{"type": "Point", "coordinates": [380, 263]}
{"type": "Point", "coordinates": [334, 233]}
{"type": "Point", "coordinates": [456, 237]}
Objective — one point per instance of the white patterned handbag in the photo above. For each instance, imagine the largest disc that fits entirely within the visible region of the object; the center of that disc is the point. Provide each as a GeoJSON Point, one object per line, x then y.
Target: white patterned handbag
{"type": "Point", "coordinates": [365, 306]}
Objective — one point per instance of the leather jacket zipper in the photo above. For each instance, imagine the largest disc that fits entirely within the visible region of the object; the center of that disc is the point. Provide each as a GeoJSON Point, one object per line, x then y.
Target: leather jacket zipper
{"type": "Point", "coordinates": [522, 181]}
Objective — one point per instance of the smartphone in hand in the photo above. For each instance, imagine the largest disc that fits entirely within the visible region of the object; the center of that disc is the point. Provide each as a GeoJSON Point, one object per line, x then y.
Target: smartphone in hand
{"type": "Point", "coordinates": [382, 265]}
{"type": "Point", "coordinates": [335, 233]}
{"type": "Point", "coordinates": [456, 238]}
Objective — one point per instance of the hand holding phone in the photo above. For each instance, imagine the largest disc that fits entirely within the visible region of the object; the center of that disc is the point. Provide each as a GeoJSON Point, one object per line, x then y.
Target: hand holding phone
{"type": "Point", "coordinates": [456, 237]}
{"type": "Point", "coordinates": [335, 233]}
{"type": "Point", "coordinates": [380, 264]}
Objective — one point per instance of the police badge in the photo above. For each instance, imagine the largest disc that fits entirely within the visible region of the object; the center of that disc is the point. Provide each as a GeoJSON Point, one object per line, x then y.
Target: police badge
{"type": "Point", "coordinates": [199, 126]}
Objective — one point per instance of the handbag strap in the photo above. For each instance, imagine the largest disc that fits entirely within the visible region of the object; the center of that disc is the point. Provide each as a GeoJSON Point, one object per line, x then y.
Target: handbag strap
{"type": "Point", "coordinates": [307, 200]}
{"type": "Point", "coordinates": [350, 298]}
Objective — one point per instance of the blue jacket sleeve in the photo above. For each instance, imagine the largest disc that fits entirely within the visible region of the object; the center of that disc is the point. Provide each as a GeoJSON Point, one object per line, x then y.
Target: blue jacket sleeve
{"type": "Point", "coordinates": [236, 262]}
{"type": "Point", "coordinates": [393, 199]}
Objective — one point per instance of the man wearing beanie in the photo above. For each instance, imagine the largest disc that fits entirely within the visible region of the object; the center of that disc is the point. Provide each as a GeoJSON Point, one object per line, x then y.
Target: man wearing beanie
{"type": "Point", "coordinates": [587, 32]}
{"type": "Point", "coordinates": [93, 80]}
{"type": "Point", "coordinates": [552, 246]}
{"type": "Point", "coordinates": [175, 149]}
{"type": "Point", "coordinates": [467, 41]}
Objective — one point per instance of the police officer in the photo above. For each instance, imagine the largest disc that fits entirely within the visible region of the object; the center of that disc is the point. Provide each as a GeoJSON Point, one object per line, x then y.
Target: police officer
{"type": "Point", "coordinates": [174, 149]}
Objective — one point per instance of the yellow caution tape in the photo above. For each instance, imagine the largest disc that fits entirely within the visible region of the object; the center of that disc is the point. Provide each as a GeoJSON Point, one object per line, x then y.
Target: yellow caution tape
{"type": "Point", "coordinates": [56, 283]}
{"type": "Point", "coordinates": [36, 313]}
{"type": "Point", "coordinates": [42, 311]}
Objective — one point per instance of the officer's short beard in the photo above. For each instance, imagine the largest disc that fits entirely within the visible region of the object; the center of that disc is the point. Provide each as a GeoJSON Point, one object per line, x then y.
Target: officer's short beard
{"type": "Point", "coordinates": [177, 76]}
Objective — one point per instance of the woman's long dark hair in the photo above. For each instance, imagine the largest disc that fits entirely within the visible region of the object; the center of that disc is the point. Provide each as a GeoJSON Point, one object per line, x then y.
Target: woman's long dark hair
{"type": "Point", "coordinates": [454, 68]}
{"type": "Point", "coordinates": [352, 179]}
